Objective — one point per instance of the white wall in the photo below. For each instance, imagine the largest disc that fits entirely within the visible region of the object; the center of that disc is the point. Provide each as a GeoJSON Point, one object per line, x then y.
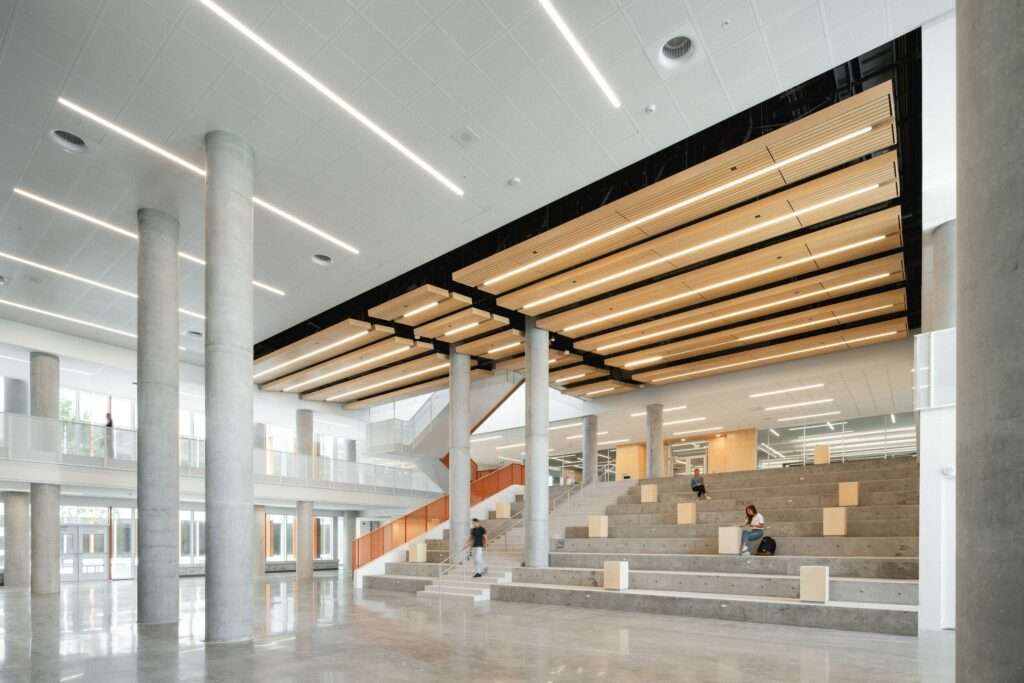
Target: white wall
{"type": "Point", "coordinates": [938, 120]}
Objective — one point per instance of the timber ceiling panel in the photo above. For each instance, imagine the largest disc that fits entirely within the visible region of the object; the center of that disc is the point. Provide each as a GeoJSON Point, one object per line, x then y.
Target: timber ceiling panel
{"type": "Point", "coordinates": [338, 338]}
{"type": "Point", "coordinates": [845, 131]}
{"type": "Point", "coordinates": [575, 373]}
{"type": "Point", "coordinates": [420, 305]}
{"type": "Point", "coordinates": [863, 276]}
{"type": "Point", "coordinates": [392, 377]}
{"type": "Point", "coordinates": [467, 323]}
{"type": "Point", "coordinates": [413, 390]}
{"type": "Point", "coordinates": [606, 387]}
{"type": "Point", "coordinates": [814, 320]}
{"type": "Point", "coordinates": [874, 333]}
{"type": "Point", "coordinates": [385, 352]}
{"type": "Point", "coordinates": [850, 189]}
{"type": "Point", "coordinates": [556, 359]}
{"type": "Point", "coordinates": [494, 346]}
{"type": "Point", "coordinates": [865, 236]}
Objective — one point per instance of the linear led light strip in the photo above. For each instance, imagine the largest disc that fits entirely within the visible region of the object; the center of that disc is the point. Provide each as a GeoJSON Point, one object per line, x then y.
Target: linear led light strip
{"type": "Point", "coordinates": [724, 283]}
{"type": "Point", "coordinates": [62, 369]}
{"type": "Point", "coordinates": [775, 356]}
{"type": "Point", "coordinates": [69, 319]}
{"type": "Point", "coordinates": [808, 417]}
{"type": "Point", "coordinates": [576, 246]}
{"type": "Point", "coordinates": [580, 436]}
{"type": "Point", "coordinates": [315, 352]}
{"type": "Point", "coordinates": [702, 430]}
{"type": "Point", "coordinates": [421, 309]}
{"type": "Point", "coordinates": [570, 378]}
{"type": "Point", "coordinates": [94, 283]}
{"type": "Point", "coordinates": [347, 368]}
{"type": "Point", "coordinates": [664, 410]}
{"type": "Point", "coordinates": [486, 438]}
{"type": "Point", "coordinates": [745, 311]}
{"type": "Point", "coordinates": [612, 442]}
{"type": "Point", "coordinates": [682, 422]}
{"type": "Point", "coordinates": [581, 53]}
{"type": "Point", "coordinates": [123, 132]}
{"type": "Point", "coordinates": [788, 406]}
{"type": "Point", "coordinates": [433, 368]}
{"type": "Point", "coordinates": [697, 247]}
{"type": "Point", "coordinates": [789, 328]}
{"type": "Point", "coordinates": [598, 392]}
{"type": "Point", "coordinates": [460, 328]}
{"type": "Point", "coordinates": [508, 446]}
{"type": "Point", "coordinates": [568, 426]}
{"type": "Point", "coordinates": [319, 86]}
{"type": "Point", "coordinates": [505, 347]}
{"type": "Point", "coordinates": [787, 391]}
{"type": "Point", "coordinates": [121, 231]}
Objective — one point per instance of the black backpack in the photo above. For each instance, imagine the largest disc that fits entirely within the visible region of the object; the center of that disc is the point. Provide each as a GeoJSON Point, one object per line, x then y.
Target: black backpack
{"type": "Point", "coordinates": [767, 546]}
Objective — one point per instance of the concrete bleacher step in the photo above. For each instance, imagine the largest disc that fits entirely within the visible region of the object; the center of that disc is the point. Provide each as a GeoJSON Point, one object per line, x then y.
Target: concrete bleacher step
{"type": "Point", "coordinates": [456, 595]}
{"type": "Point", "coordinates": [868, 617]}
{"type": "Point", "coordinates": [727, 517]}
{"type": "Point", "coordinates": [776, 529]}
{"type": "Point", "coordinates": [858, 470]}
{"type": "Point", "coordinates": [680, 493]}
{"type": "Point", "coordinates": [889, 591]}
{"type": "Point", "coordinates": [736, 505]}
{"type": "Point", "coordinates": [396, 582]}
{"type": "Point", "coordinates": [839, 546]}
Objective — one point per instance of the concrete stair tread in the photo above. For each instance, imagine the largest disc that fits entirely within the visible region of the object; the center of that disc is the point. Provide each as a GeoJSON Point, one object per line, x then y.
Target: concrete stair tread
{"type": "Point", "coordinates": [823, 557]}
{"type": "Point", "coordinates": [676, 572]}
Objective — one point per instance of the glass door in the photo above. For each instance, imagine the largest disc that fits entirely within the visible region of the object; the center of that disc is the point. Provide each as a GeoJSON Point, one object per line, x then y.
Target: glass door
{"type": "Point", "coordinates": [122, 562]}
{"type": "Point", "coordinates": [92, 553]}
{"type": "Point", "coordinates": [69, 553]}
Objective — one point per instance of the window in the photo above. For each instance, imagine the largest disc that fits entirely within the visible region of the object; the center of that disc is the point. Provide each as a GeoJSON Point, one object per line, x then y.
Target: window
{"type": "Point", "coordinates": [282, 537]}
{"type": "Point", "coordinates": [191, 537]}
{"type": "Point", "coordinates": [185, 537]}
{"type": "Point", "coordinates": [280, 439]}
{"type": "Point", "coordinates": [325, 538]}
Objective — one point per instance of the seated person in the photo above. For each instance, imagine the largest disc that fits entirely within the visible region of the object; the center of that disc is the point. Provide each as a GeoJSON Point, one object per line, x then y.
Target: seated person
{"type": "Point", "coordinates": [697, 484]}
{"type": "Point", "coordinates": [755, 522]}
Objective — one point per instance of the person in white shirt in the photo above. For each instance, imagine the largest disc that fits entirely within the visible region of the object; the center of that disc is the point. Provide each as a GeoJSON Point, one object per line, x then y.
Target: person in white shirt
{"type": "Point", "coordinates": [755, 530]}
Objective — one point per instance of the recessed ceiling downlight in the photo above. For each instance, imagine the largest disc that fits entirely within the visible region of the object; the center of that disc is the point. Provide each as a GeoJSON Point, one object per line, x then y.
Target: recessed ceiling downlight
{"type": "Point", "coordinates": [677, 47]}
{"type": "Point", "coordinates": [68, 141]}
{"type": "Point", "coordinates": [322, 259]}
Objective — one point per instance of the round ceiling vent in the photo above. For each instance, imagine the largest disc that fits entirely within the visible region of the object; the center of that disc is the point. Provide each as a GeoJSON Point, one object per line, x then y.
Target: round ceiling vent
{"type": "Point", "coordinates": [68, 141]}
{"type": "Point", "coordinates": [677, 47]}
{"type": "Point", "coordinates": [322, 259]}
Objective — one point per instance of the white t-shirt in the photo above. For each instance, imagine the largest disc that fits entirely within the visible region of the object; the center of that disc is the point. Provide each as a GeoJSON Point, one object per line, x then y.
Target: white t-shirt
{"type": "Point", "coordinates": [757, 521]}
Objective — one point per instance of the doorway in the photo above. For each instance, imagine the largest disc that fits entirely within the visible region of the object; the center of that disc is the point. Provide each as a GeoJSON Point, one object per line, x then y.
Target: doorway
{"type": "Point", "coordinates": [83, 552]}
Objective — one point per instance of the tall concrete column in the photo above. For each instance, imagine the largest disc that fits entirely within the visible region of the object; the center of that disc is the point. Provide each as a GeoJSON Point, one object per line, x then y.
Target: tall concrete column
{"type": "Point", "coordinates": [348, 535]}
{"type": "Point", "coordinates": [305, 444]}
{"type": "Point", "coordinates": [157, 471]}
{"type": "Point", "coordinates": [304, 540]}
{"type": "Point", "coordinates": [655, 441]}
{"type": "Point", "coordinates": [458, 451]}
{"type": "Point", "coordinates": [229, 339]}
{"type": "Point", "coordinates": [17, 567]}
{"type": "Point", "coordinates": [15, 396]}
{"type": "Point", "coordinates": [259, 436]}
{"type": "Point", "coordinates": [259, 541]}
{"type": "Point", "coordinates": [990, 325]}
{"type": "Point", "coordinates": [45, 541]}
{"type": "Point", "coordinates": [589, 449]}
{"type": "Point", "coordinates": [44, 401]}
{"type": "Point", "coordinates": [537, 502]}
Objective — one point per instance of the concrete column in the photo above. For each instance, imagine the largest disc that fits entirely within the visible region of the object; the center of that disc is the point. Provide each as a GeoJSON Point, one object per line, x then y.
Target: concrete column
{"type": "Point", "coordinates": [304, 540]}
{"type": "Point", "coordinates": [655, 442]}
{"type": "Point", "coordinates": [45, 538]}
{"type": "Point", "coordinates": [17, 569]}
{"type": "Point", "coordinates": [589, 449]}
{"type": "Point", "coordinates": [259, 541]}
{"type": "Point", "coordinates": [259, 436]}
{"type": "Point", "coordinates": [536, 445]}
{"type": "Point", "coordinates": [348, 534]}
{"type": "Point", "coordinates": [15, 396]}
{"type": "Point", "coordinates": [305, 443]}
{"type": "Point", "coordinates": [157, 368]}
{"type": "Point", "coordinates": [44, 401]}
{"type": "Point", "coordinates": [990, 325]}
{"type": "Point", "coordinates": [229, 339]}
{"type": "Point", "coordinates": [938, 278]}
{"type": "Point", "coordinates": [458, 451]}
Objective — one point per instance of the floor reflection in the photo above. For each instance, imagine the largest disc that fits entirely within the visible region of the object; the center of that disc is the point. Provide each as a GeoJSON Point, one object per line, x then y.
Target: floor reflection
{"type": "Point", "coordinates": [324, 631]}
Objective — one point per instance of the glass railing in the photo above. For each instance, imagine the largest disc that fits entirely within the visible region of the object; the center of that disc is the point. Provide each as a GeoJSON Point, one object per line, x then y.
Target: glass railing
{"type": "Point", "coordinates": [35, 439]}
{"type": "Point", "coordinates": [392, 428]}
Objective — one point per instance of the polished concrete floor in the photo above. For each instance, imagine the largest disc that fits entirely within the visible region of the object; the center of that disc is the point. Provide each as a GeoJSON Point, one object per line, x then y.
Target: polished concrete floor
{"type": "Point", "coordinates": [321, 631]}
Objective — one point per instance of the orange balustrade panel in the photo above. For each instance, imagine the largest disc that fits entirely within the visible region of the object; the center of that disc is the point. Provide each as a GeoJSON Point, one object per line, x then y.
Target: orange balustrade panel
{"type": "Point", "coordinates": [369, 547]}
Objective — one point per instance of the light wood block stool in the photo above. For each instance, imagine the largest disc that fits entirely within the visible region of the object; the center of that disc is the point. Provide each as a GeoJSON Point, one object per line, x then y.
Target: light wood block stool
{"type": "Point", "coordinates": [686, 513]}
{"type": "Point", "coordinates": [616, 575]}
{"type": "Point", "coordinates": [503, 511]}
{"type": "Point", "coordinates": [833, 522]}
{"type": "Point", "coordinates": [849, 493]}
{"type": "Point", "coordinates": [648, 493]}
{"type": "Point", "coordinates": [729, 540]}
{"type": "Point", "coordinates": [813, 583]}
{"type": "Point", "coordinates": [822, 454]}
{"type": "Point", "coordinates": [418, 552]}
{"type": "Point", "coordinates": [597, 526]}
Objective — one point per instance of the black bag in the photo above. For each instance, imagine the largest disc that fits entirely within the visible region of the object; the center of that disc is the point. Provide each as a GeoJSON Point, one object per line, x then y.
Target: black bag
{"type": "Point", "coordinates": [767, 546]}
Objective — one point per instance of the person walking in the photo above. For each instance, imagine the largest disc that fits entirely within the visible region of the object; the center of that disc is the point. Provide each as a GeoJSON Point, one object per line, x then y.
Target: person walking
{"type": "Point", "coordinates": [478, 538]}
{"type": "Point", "coordinates": [697, 485]}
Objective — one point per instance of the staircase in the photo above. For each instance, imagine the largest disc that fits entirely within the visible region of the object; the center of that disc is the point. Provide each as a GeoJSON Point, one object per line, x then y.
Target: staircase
{"type": "Point", "coordinates": [676, 569]}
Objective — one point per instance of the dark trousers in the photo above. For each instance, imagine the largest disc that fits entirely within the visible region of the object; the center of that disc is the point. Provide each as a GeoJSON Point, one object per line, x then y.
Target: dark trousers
{"type": "Point", "coordinates": [699, 490]}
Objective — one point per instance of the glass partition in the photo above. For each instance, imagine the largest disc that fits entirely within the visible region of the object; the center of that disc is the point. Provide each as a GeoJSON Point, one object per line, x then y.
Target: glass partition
{"type": "Point", "coordinates": [862, 438]}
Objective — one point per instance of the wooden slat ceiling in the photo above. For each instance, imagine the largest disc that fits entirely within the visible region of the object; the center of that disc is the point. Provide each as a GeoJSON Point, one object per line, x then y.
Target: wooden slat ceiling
{"type": "Point", "coordinates": [392, 377]}
{"type": "Point", "coordinates": [855, 127]}
{"type": "Point", "coordinates": [465, 324]}
{"type": "Point", "coordinates": [494, 346]}
{"type": "Point", "coordinates": [412, 390]}
{"type": "Point", "coordinates": [872, 234]}
{"type": "Point", "coordinates": [384, 352]}
{"type": "Point", "coordinates": [556, 359]}
{"type": "Point", "coordinates": [818, 287]}
{"type": "Point", "coordinates": [606, 387]}
{"type": "Point", "coordinates": [814, 320]}
{"type": "Point", "coordinates": [575, 373]}
{"type": "Point", "coordinates": [420, 305]}
{"type": "Point", "coordinates": [874, 333]}
{"type": "Point", "coordinates": [829, 197]}
{"type": "Point", "coordinates": [332, 341]}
